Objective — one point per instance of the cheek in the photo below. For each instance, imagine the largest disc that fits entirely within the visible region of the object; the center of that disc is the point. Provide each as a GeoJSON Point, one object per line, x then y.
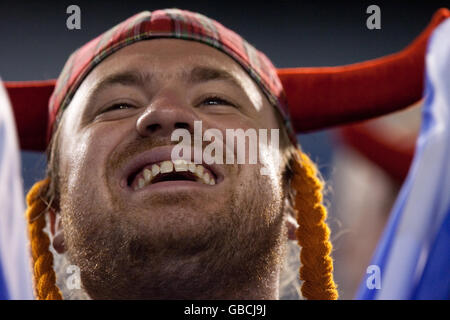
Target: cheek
{"type": "Point", "coordinates": [259, 196]}
{"type": "Point", "coordinates": [85, 155]}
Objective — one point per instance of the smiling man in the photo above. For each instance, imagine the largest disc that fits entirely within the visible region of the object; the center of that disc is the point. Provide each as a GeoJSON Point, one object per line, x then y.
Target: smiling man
{"type": "Point", "coordinates": [139, 224]}
{"type": "Point", "coordinates": [180, 236]}
{"type": "Point", "coordinates": [142, 225]}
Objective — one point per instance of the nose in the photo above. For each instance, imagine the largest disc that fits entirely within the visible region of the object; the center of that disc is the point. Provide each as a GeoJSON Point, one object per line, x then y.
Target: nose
{"type": "Point", "coordinates": [163, 116]}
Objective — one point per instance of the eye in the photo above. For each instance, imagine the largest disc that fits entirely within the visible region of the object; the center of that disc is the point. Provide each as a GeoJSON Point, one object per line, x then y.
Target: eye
{"type": "Point", "coordinates": [216, 101]}
{"type": "Point", "coordinates": [118, 106]}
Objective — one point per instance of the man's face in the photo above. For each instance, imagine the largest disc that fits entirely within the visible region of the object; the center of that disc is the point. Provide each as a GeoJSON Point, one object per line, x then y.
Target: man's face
{"type": "Point", "coordinates": [178, 236]}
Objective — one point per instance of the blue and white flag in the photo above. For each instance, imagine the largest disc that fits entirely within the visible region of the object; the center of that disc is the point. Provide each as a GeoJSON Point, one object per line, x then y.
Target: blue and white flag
{"type": "Point", "coordinates": [413, 256]}
{"type": "Point", "coordinates": [15, 275]}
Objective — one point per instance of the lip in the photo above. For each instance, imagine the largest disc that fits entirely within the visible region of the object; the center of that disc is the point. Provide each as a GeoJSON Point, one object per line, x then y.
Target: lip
{"type": "Point", "coordinates": [173, 186]}
{"type": "Point", "coordinates": [159, 154]}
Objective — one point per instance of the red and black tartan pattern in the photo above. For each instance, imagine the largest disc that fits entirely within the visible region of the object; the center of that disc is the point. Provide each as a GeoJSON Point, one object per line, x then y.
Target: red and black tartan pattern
{"type": "Point", "coordinates": [168, 23]}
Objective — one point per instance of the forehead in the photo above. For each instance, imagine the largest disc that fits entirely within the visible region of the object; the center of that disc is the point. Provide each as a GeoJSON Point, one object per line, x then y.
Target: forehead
{"type": "Point", "coordinates": [168, 58]}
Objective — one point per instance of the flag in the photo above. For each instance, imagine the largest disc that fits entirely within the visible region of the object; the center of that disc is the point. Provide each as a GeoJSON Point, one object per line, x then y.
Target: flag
{"type": "Point", "coordinates": [15, 274]}
{"type": "Point", "coordinates": [413, 255]}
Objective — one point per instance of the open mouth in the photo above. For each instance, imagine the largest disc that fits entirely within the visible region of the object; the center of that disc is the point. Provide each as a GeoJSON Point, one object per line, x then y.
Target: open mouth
{"type": "Point", "coordinates": [177, 170]}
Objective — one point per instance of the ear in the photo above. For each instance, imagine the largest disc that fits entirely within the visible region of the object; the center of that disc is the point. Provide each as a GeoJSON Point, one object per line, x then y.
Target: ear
{"type": "Point", "coordinates": [291, 225]}
{"type": "Point", "coordinates": [57, 232]}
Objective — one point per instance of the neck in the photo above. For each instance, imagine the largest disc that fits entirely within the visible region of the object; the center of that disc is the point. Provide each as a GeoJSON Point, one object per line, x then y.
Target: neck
{"type": "Point", "coordinates": [225, 286]}
{"type": "Point", "coordinates": [264, 289]}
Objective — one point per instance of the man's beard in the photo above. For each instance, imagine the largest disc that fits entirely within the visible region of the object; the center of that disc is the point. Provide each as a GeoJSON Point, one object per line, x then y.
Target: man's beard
{"type": "Point", "coordinates": [189, 252]}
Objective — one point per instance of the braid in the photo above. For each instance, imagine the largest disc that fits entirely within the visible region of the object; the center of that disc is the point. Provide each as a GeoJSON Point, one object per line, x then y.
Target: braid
{"type": "Point", "coordinates": [42, 259]}
{"type": "Point", "coordinates": [312, 232]}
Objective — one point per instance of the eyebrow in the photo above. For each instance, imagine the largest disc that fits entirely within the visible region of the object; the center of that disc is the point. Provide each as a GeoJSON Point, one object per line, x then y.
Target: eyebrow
{"type": "Point", "coordinates": [126, 78]}
{"type": "Point", "coordinates": [139, 78]}
{"type": "Point", "coordinates": [204, 74]}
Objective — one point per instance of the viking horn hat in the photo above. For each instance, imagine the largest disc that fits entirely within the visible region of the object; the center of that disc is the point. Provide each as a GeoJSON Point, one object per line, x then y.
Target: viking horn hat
{"type": "Point", "coordinates": [309, 98]}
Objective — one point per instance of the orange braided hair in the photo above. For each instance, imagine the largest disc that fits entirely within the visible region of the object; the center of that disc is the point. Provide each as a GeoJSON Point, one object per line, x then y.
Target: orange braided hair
{"type": "Point", "coordinates": [42, 259]}
{"type": "Point", "coordinates": [312, 233]}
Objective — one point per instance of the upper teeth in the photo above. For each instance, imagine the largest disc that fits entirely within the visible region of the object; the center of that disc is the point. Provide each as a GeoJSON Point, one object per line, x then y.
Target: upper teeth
{"type": "Point", "coordinates": [168, 166]}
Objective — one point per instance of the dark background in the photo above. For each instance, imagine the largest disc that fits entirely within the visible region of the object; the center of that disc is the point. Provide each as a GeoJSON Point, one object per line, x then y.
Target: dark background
{"type": "Point", "coordinates": [35, 42]}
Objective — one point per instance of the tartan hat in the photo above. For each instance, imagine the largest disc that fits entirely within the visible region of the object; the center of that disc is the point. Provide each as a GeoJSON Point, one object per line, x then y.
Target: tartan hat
{"type": "Point", "coordinates": [168, 23]}
{"type": "Point", "coordinates": [308, 98]}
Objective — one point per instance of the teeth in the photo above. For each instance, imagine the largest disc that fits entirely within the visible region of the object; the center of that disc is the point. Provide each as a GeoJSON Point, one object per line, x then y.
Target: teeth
{"type": "Point", "coordinates": [180, 165]}
{"type": "Point", "coordinates": [155, 169]}
{"type": "Point", "coordinates": [206, 178]}
{"type": "Point", "coordinates": [147, 175]}
{"type": "Point", "coordinates": [191, 167]}
{"type": "Point", "coordinates": [199, 171]}
{"type": "Point", "coordinates": [141, 183]}
{"type": "Point", "coordinates": [168, 166]}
